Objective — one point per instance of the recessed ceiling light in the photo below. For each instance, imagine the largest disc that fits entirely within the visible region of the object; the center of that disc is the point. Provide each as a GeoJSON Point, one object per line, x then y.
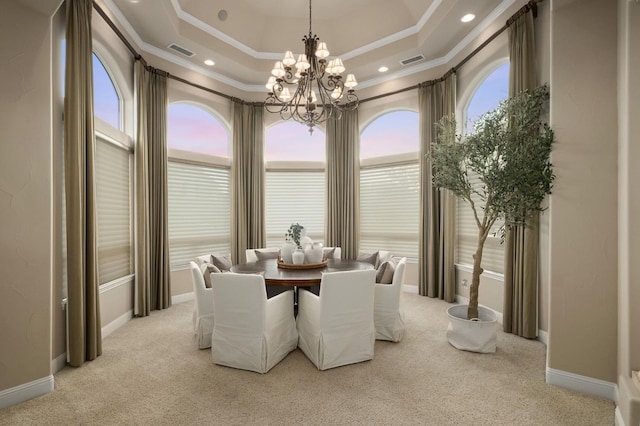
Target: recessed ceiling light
{"type": "Point", "coordinates": [383, 69]}
{"type": "Point", "coordinates": [209, 62]}
{"type": "Point", "coordinates": [223, 15]}
{"type": "Point", "coordinates": [468, 17]}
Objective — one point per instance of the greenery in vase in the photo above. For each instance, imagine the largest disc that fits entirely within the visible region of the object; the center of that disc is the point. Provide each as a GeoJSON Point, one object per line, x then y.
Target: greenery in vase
{"type": "Point", "coordinates": [509, 154]}
{"type": "Point", "coordinates": [294, 233]}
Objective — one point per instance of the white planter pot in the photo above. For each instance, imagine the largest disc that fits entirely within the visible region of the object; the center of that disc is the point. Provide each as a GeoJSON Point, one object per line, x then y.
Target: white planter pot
{"type": "Point", "coordinates": [472, 335]}
{"type": "Point", "coordinates": [298, 257]}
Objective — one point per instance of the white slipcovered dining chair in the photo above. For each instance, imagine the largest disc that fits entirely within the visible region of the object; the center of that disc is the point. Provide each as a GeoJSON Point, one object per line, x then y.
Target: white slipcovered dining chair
{"type": "Point", "coordinates": [251, 332]}
{"type": "Point", "coordinates": [336, 328]}
{"type": "Point", "coordinates": [388, 310]}
{"type": "Point", "coordinates": [203, 309]}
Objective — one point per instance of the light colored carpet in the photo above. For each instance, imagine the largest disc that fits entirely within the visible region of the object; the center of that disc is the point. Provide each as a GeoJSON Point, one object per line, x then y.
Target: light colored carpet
{"type": "Point", "coordinates": [151, 373]}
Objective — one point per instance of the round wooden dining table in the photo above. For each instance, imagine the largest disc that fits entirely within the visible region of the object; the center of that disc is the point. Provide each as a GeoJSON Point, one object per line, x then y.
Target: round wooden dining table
{"type": "Point", "coordinates": [273, 275]}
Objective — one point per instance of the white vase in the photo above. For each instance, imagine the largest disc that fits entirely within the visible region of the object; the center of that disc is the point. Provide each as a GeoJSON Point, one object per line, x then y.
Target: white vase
{"type": "Point", "coordinates": [304, 240]}
{"type": "Point", "coordinates": [313, 253]}
{"type": "Point", "coordinates": [297, 258]}
{"type": "Point", "coordinates": [286, 251]}
{"type": "Point", "coordinates": [477, 335]}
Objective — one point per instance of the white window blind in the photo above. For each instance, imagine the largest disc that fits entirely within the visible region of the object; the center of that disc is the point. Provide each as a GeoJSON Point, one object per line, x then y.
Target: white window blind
{"type": "Point", "coordinates": [467, 238]}
{"type": "Point", "coordinates": [113, 204]}
{"type": "Point", "coordinates": [199, 211]}
{"type": "Point", "coordinates": [294, 197]}
{"type": "Point", "coordinates": [389, 209]}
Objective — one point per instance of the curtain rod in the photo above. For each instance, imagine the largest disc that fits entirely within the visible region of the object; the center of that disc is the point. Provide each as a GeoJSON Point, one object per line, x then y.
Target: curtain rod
{"type": "Point", "coordinates": [531, 5]}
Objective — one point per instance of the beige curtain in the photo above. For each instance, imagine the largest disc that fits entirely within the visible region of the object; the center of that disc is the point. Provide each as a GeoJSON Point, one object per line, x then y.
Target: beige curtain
{"type": "Point", "coordinates": [84, 335]}
{"type": "Point", "coordinates": [342, 219]}
{"type": "Point", "coordinates": [247, 180]}
{"type": "Point", "coordinates": [521, 250]}
{"type": "Point", "coordinates": [152, 267]}
{"type": "Point", "coordinates": [437, 207]}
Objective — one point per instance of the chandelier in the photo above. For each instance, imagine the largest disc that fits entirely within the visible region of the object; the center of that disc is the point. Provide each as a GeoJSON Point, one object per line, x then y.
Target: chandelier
{"type": "Point", "coordinates": [314, 98]}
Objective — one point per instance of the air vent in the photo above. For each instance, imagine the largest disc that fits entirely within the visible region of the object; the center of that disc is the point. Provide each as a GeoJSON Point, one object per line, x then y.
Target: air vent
{"type": "Point", "coordinates": [181, 50]}
{"type": "Point", "coordinates": [412, 60]}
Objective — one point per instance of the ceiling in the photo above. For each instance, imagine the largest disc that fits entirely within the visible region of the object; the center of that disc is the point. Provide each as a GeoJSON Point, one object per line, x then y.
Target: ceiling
{"type": "Point", "coordinates": [245, 37]}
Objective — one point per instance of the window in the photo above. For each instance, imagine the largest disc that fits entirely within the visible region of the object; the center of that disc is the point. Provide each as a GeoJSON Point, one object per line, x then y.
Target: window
{"type": "Point", "coordinates": [113, 205]}
{"type": "Point", "coordinates": [490, 91]}
{"type": "Point", "coordinates": [113, 180]}
{"type": "Point", "coordinates": [199, 184]}
{"type": "Point", "coordinates": [295, 181]}
{"type": "Point", "coordinates": [390, 184]}
{"type": "Point", "coordinates": [106, 102]}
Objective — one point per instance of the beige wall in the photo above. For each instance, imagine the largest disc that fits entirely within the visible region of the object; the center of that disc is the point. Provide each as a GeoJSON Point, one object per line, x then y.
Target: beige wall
{"type": "Point", "coordinates": [25, 196]}
{"type": "Point", "coordinates": [583, 224]}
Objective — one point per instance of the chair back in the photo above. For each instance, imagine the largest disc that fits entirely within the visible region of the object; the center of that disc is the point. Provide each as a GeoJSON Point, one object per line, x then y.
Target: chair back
{"type": "Point", "coordinates": [337, 252]}
{"type": "Point", "coordinates": [347, 294]}
{"type": "Point", "coordinates": [251, 256]}
{"type": "Point", "coordinates": [239, 301]}
{"type": "Point", "coordinates": [398, 274]}
{"type": "Point", "coordinates": [200, 293]}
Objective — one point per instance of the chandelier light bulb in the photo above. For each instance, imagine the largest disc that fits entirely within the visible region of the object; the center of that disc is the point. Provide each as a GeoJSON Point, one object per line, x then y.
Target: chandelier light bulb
{"type": "Point", "coordinates": [270, 83]}
{"type": "Point", "coordinates": [329, 68]}
{"type": "Point", "coordinates": [322, 51]}
{"type": "Point", "coordinates": [338, 68]}
{"type": "Point", "coordinates": [285, 95]}
{"type": "Point", "coordinates": [278, 70]}
{"type": "Point", "coordinates": [303, 63]}
{"type": "Point", "coordinates": [288, 59]}
{"type": "Point", "coordinates": [336, 94]}
{"type": "Point", "coordinates": [350, 81]}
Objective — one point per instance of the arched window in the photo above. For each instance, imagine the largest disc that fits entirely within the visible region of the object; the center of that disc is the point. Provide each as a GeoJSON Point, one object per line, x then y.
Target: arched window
{"type": "Point", "coordinates": [194, 129]}
{"type": "Point", "coordinates": [486, 96]}
{"type": "Point", "coordinates": [295, 180]}
{"type": "Point", "coordinates": [114, 157]}
{"type": "Point", "coordinates": [389, 184]}
{"type": "Point", "coordinates": [106, 102]}
{"type": "Point", "coordinates": [199, 184]}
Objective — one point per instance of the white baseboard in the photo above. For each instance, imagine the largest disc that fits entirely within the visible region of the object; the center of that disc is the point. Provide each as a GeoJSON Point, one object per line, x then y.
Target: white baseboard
{"type": "Point", "coordinates": [543, 336]}
{"type": "Point", "coordinates": [116, 323]}
{"type": "Point", "coordinates": [26, 391]}
{"type": "Point", "coordinates": [582, 384]}
{"type": "Point", "coordinates": [180, 298]}
{"type": "Point", "coordinates": [59, 363]}
{"type": "Point", "coordinates": [410, 288]}
{"type": "Point", "coordinates": [619, 421]}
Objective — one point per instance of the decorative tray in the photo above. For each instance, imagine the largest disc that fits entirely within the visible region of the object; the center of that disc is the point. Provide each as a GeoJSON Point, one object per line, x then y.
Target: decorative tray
{"type": "Point", "coordinates": [283, 265]}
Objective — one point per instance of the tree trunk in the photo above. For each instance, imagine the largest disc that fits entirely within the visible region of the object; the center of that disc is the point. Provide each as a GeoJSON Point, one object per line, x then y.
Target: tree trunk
{"type": "Point", "coordinates": [475, 279]}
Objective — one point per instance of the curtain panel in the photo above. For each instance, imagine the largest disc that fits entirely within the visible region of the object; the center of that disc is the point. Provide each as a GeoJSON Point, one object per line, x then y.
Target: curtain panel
{"type": "Point", "coordinates": [84, 334]}
{"type": "Point", "coordinates": [342, 223]}
{"type": "Point", "coordinates": [152, 265]}
{"type": "Point", "coordinates": [248, 228]}
{"type": "Point", "coordinates": [520, 315]}
{"type": "Point", "coordinates": [436, 248]}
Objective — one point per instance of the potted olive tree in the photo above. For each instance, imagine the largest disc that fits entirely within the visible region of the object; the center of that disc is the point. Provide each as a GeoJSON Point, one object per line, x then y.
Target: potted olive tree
{"type": "Point", "coordinates": [502, 170]}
